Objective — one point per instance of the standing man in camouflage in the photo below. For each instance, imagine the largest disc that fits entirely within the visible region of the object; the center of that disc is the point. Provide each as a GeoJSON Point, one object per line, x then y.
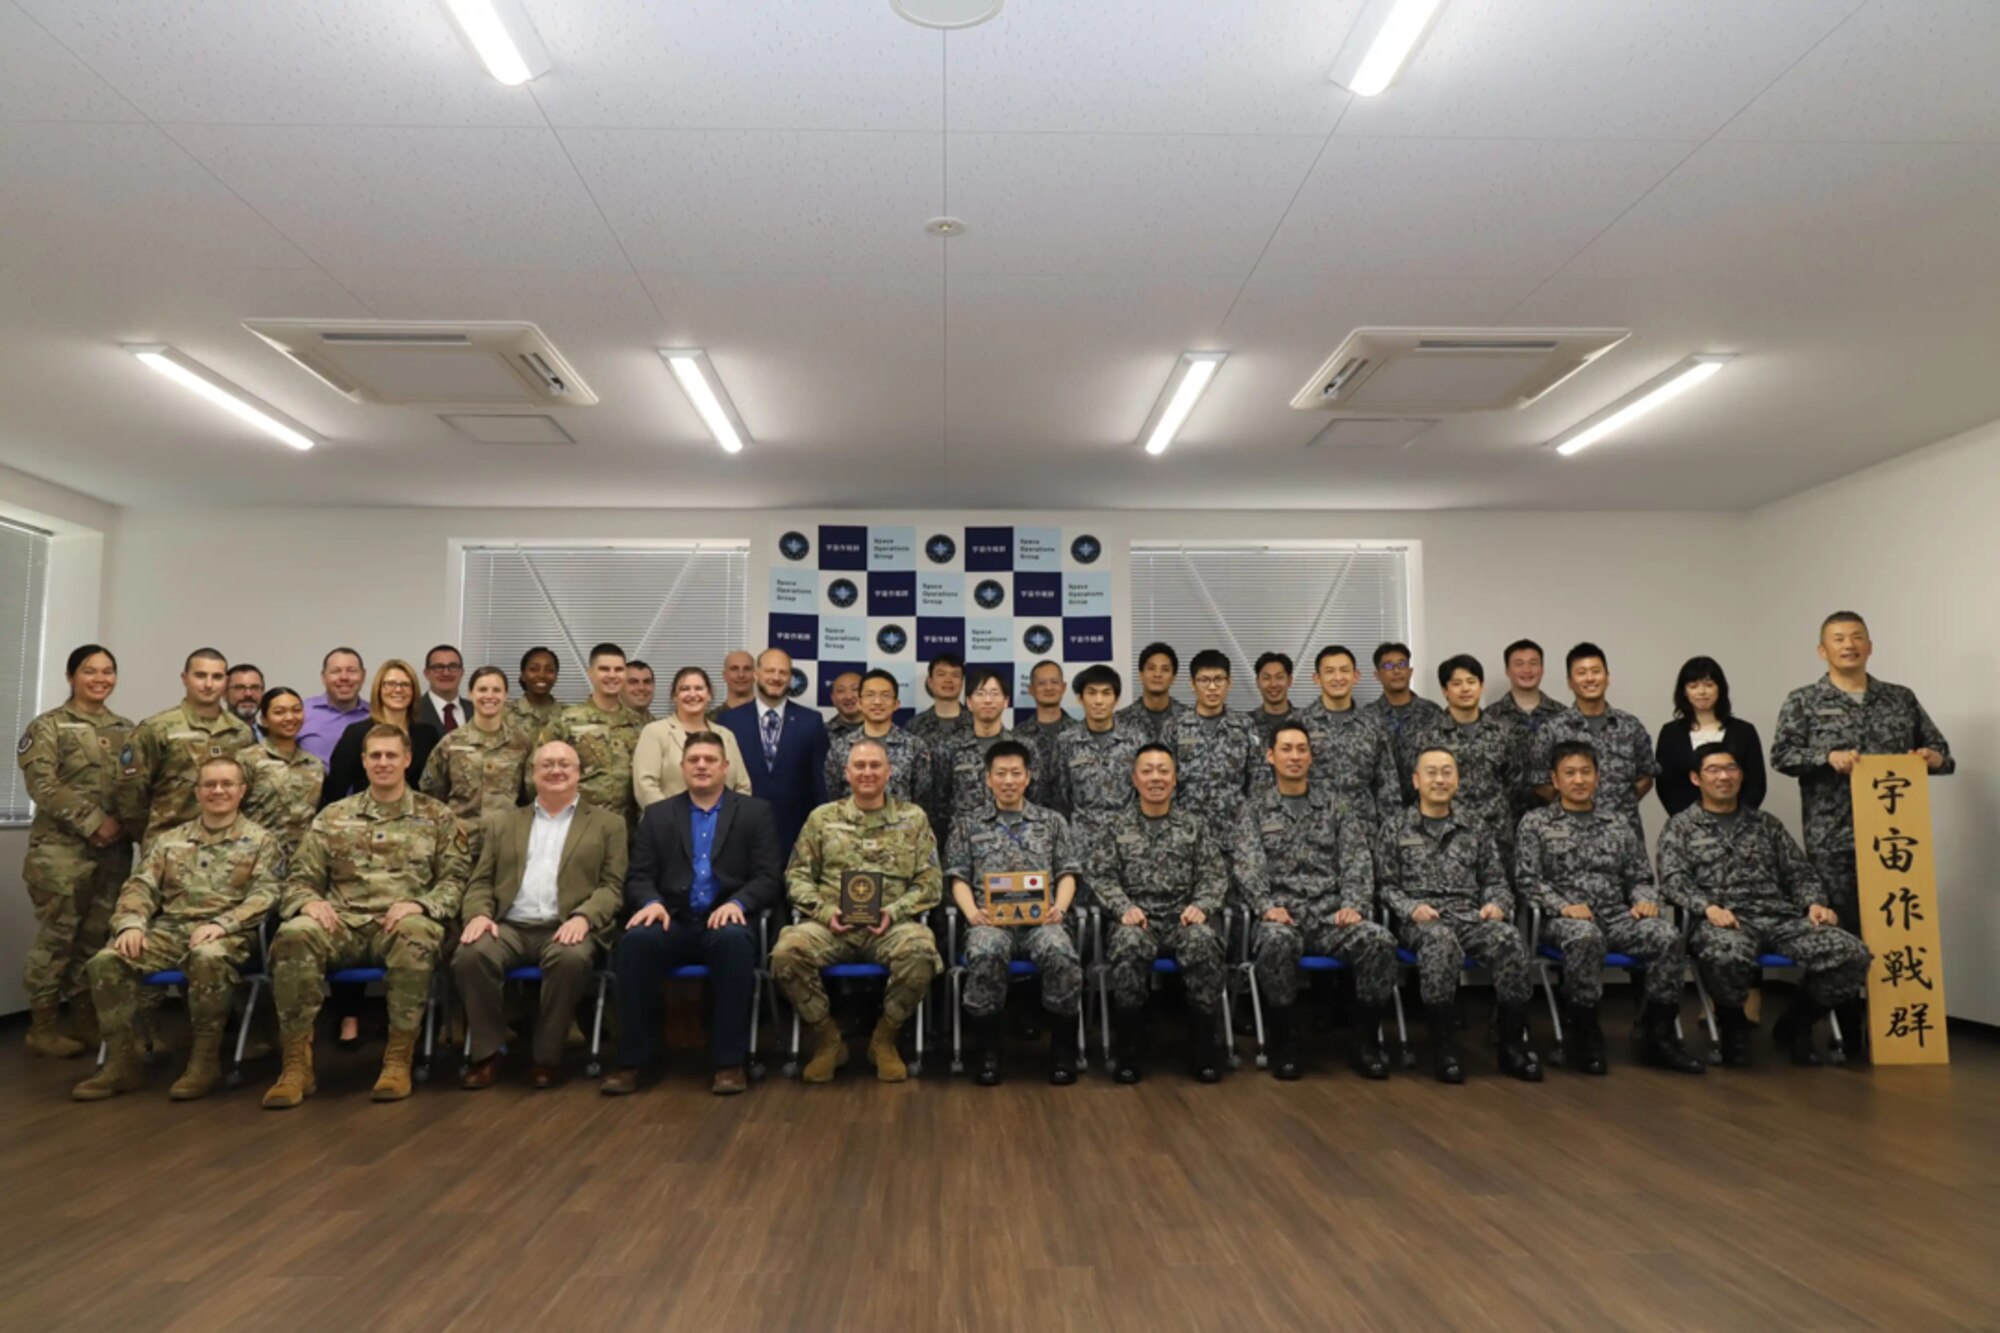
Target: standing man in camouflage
{"type": "Point", "coordinates": [1303, 867]}
{"type": "Point", "coordinates": [1090, 781]}
{"type": "Point", "coordinates": [946, 717]}
{"type": "Point", "coordinates": [1274, 694]}
{"type": "Point", "coordinates": [1440, 875]}
{"type": "Point", "coordinates": [912, 767]}
{"type": "Point", "coordinates": [1626, 764]}
{"type": "Point", "coordinates": [1594, 885]}
{"type": "Point", "coordinates": [961, 758]}
{"type": "Point", "coordinates": [1148, 715]}
{"type": "Point", "coordinates": [166, 749]}
{"type": "Point", "coordinates": [1488, 752]}
{"type": "Point", "coordinates": [1051, 719]}
{"type": "Point", "coordinates": [1750, 889]}
{"type": "Point", "coordinates": [376, 880]}
{"type": "Point", "coordinates": [845, 695]}
{"type": "Point", "coordinates": [1160, 876]}
{"type": "Point", "coordinates": [603, 732]}
{"type": "Point", "coordinates": [192, 905]}
{"type": "Point", "coordinates": [1351, 751]}
{"type": "Point", "coordinates": [873, 831]}
{"type": "Point", "coordinates": [1215, 751]}
{"type": "Point", "coordinates": [1007, 833]}
{"type": "Point", "coordinates": [1404, 715]}
{"type": "Point", "coordinates": [79, 847]}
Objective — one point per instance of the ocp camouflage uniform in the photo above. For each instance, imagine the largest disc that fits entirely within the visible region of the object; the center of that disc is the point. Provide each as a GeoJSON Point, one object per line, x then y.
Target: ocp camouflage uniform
{"type": "Point", "coordinates": [1090, 782]}
{"type": "Point", "coordinates": [362, 857]}
{"type": "Point", "coordinates": [191, 876]}
{"type": "Point", "coordinates": [990, 841]}
{"type": "Point", "coordinates": [1214, 760]}
{"type": "Point", "coordinates": [1311, 858]}
{"type": "Point", "coordinates": [1040, 737]}
{"type": "Point", "coordinates": [1352, 756]}
{"type": "Point", "coordinates": [935, 731]}
{"type": "Point", "coordinates": [479, 773]}
{"type": "Point", "coordinates": [164, 756]}
{"type": "Point", "coordinates": [1162, 867]}
{"type": "Point", "coordinates": [1624, 755]}
{"type": "Point", "coordinates": [284, 793]}
{"type": "Point", "coordinates": [912, 766]}
{"type": "Point", "coordinates": [894, 842]}
{"type": "Point", "coordinates": [1589, 858]}
{"type": "Point", "coordinates": [1489, 758]}
{"type": "Point", "coordinates": [1820, 718]}
{"type": "Point", "coordinates": [961, 779]}
{"type": "Point", "coordinates": [1747, 863]}
{"type": "Point", "coordinates": [529, 718]}
{"type": "Point", "coordinates": [1454, 869]}
{"type": "Point", "coordinates": [1526, 725]}
{"type": "Point", "coordinates": [603, 739]}
{"type": "Point", "coordinates": [1136, 717]}
{"type": "Point", "coordinates": [71, 766]}
{"type": "Point", "coordinates": [1405, 726]}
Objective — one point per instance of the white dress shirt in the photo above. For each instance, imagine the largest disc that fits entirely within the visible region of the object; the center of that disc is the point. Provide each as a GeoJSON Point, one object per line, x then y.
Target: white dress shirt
{"type": "Point", "coordinates": [458, 709]}
{"type": "Point", "coordinates": [535, 904]}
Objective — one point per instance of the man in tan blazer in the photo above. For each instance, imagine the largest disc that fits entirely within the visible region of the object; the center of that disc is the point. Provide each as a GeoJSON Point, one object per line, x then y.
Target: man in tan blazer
{"type": "Point", "coordinates": [545, 894]}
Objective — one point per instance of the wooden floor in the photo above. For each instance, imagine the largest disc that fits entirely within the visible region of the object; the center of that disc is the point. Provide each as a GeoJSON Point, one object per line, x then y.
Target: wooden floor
{"type": "Point", "coordinates": [1772, 1199]}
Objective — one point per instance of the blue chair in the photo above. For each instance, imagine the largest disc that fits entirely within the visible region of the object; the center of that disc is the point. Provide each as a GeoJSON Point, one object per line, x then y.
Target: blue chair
{"type": "Point", "coordinates": [1162, 967]}
{"type": "Point", "coordinates": [861, 972]}
{"type": "Point", "coordinates": [364, 976]}
{"type": "Point", "coordinates": [530, 975]}
{"type": "Point", "coordinates": [255, 971]}
{"type": "Point", "coordinates": [1018, 969]}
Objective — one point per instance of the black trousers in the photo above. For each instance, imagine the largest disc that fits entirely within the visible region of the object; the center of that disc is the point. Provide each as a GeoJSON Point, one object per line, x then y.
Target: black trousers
{"type": "Point", "coordinates": [647, 956]}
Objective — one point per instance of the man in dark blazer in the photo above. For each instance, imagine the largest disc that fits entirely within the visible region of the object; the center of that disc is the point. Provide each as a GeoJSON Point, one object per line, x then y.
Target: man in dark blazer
{"type": "Point", "coordinates": [703, 863]}
{"type": "Point", "coordinates": [790, 774]}
{"type": "Point", "coordinates": [545, 894]}
{"type": "Point", "coordinates": [441, 705]}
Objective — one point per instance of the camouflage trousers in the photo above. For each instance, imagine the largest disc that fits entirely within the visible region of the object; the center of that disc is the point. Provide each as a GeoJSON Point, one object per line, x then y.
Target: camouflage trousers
{"type": "Point", "coordinates": [1835, 963]}
{"type": "Point", "coordinates": [1365, 949]}
{"type": "Point", "coordinates": [1441, 947]}
{"type": "Point", "coordinates": [907, 949]}
{"type": "Point", "coordinates": [304, 951]}
{"type": "Point", "coordinates": [73, 888]}
{"type": "Point", "coordinates": [988, 950]}
{"type": "Point", "coordinates": [1652, 940]}
{"type": "Point", "coordinates": [212, 974]}
{"type": "Point", "coordinates": [1199, 950]}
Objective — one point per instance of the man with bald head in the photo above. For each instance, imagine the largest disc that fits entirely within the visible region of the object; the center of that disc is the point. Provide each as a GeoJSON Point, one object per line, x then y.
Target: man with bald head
{"type": "Point", "coordinates": [545, 894]}
{"type": "Point", "coordinates": [783, 744]}
{"type": "Point", "coordinates": [739, 680]}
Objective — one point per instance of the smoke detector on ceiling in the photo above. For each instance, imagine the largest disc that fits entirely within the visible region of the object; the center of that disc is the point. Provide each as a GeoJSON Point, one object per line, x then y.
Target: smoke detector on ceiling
{"type": "Point", "coordinates": [476, 364]}
{"type": "Point", "coordinates": [1431, 372]}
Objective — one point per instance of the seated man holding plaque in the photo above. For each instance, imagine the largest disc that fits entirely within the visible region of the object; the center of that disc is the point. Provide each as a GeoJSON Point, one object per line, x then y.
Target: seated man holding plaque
{"type": "Point", "coordinates": [864, 872]}
{"type": "Point", "coordinates": [1013, 870]}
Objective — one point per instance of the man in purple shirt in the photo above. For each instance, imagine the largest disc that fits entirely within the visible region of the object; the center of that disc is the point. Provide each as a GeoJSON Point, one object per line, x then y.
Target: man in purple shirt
{"type": "Point", "coordinates": [331, 713]}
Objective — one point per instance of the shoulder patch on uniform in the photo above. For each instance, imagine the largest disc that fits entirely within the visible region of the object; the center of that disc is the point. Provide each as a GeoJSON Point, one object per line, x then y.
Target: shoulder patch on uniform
{"type": "Point", "coordinates": [27, 741]}
{"type": "Point", "coordinates": [126, 756]}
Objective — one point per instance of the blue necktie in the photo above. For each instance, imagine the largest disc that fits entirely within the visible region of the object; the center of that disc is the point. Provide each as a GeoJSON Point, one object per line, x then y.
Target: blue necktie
{"type": "Point", "coordinates": [771, 724]}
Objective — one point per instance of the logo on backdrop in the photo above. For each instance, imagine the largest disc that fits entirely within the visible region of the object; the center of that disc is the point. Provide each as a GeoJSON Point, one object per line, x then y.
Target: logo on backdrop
{"type": "Point", "coordinates": [1085, 549]}
{"type": "Point", "coordinates": [842, 593]}
{"type": "Point", "coordinates": [940, 549]}
{"type": "Point", "coordinates": [892, 639]}
{"type": "Point", "coordinates": [989, 594]}
{"type": "Point", "coordinates": [794, 546]}
{"type": "Point", "coordinates": [798, 683]}
{"type": "Point", "coordinates": [1039, 639]}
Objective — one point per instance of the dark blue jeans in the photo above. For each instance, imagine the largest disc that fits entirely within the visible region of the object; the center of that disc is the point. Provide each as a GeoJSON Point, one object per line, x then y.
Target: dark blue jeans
{"type": "Point", "coordinates": [647, 957]}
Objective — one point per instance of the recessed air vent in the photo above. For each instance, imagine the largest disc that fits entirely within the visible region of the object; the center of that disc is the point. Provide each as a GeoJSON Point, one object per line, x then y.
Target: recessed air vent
{"type": "Point", "coordinates": [507, 427]}
{"type": "Point", "coordinates": [1429, 372]}
{"type": "Point", "coordinates": [482, 364]}
{"type": "Point", "coordinates": [1350, 434]}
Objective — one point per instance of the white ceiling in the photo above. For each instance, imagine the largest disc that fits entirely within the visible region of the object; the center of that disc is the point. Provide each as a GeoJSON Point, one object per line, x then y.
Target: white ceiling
{"type": "Point", "coordinates": [1813, 184]}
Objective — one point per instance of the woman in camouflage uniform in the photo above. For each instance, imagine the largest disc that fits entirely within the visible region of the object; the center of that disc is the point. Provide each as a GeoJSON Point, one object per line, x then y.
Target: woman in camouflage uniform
{"type": "Point", "coordinates": [477, 769]}
{"type": "Point", "coordinates": [537, 706]}
{"type": "Point", "coordinates": [285, 778]}
{"type": "Point", "coordinates": [78, 850]}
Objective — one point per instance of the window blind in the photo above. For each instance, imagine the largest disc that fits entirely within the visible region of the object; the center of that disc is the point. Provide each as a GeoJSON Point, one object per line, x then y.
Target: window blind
{"type": "Point", "coordinates": [24, 574]}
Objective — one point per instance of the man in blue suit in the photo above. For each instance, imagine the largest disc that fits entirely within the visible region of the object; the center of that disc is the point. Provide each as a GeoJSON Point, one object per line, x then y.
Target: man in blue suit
{"type": "Point", "coordinates": [783, 745]}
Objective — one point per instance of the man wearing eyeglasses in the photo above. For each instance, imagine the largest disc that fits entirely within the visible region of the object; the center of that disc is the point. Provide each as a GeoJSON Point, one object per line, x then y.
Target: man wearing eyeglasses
{"type": "Point", "coordinates": [1404, 714]}
{"type": "Point", "coordinates": [444, 667]}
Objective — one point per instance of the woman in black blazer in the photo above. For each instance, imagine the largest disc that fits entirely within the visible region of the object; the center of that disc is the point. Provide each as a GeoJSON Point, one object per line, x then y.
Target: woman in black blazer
{"type": "Point", "coordinates": [1702, 716]}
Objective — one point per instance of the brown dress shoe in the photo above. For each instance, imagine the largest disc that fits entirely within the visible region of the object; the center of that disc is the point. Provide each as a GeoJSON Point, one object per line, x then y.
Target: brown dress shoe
{"type": "Point", "coordinates": [482, 1074]}
{"type": "Point", "coordinates": [620, 1083]}
{"type": "Point", "coordinates": [729, 1081]}
{"type": "Point", "coordinates": [543, 1076]}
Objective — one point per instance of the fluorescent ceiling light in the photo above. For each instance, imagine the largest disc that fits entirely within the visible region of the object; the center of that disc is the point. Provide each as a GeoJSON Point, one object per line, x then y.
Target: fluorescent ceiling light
{"type": "Point", "coordinates": [1381, 40]}
{"type": "Point", "coordinates": [703, 387]}
{"type": "Point", "coordinates": [1654, 392]}
{"type": "Point", "coordinates": [499, 33]}
{"type": "Point", "coordinates": [199, 379]}
{"type": "Point", "coordinates": [1184, 389]}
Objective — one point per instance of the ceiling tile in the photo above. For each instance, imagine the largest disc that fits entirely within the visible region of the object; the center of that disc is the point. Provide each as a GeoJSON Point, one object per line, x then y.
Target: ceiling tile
{"type": "Point", "coordinates": [39, 80]}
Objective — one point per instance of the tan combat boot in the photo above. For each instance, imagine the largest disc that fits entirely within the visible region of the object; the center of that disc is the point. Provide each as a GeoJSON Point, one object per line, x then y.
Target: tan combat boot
{"type": "Point", "coordinates": [295, 1081]}
{"type": "Point", "coordinates": [123, 1071]}
{"type": "Point", "coordinates": [46, 1037]}
{"type": "Point", "coordinates": [829, 1052]}
{"type": "Point", "coordinates": [394, 1085]}
{"type": "Point", "coordinates": [204, 1067]}
{"type": "Point", "coordinates": [882, 1052]}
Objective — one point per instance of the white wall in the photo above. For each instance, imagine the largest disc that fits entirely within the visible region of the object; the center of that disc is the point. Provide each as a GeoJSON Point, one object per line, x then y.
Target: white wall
{"type": "Point", "coordinates": [1912, 545]}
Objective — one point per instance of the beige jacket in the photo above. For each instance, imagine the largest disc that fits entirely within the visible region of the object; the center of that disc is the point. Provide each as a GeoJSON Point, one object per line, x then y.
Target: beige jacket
{"type": "Point", "coordinates": [656, 762]}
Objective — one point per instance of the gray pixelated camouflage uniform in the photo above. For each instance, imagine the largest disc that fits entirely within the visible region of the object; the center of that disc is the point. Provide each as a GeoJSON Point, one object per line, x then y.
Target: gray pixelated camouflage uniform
{"type": "Point", "coordinates": [1404, 727]}
{"type": "Point", "coordinates": [1136, 717]}
{"type": "Point", "coordinates": [1351, 754]}
{"type": "Point", "coordinates": [987, 841]}
{"type": "Point", "coordinates": [1215, 760]}
{"type": "Point", "coordinates": [1162, 867]}
{"type": "Point", "coordinates": [912, 766]}
{"type": "Point", "coordinates": [1624, 755]}
{"type": "Point", "coordinates": [1590, 858]}
{"type": "Point", "coordinates": [1489, 760]}
{"type": "Point", "coordinates": [1456, 871]}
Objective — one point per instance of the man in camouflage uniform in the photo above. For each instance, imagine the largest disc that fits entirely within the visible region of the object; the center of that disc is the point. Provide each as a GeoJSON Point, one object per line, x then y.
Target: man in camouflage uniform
{"type": "Point", "coordinates": [1047, 686]}
{"type": "Point", "coordinates": [1090, 779]}
{"type": "Point", "coordinates": [961, 757]}
{"type": "Point", "coordinates": [947, 717]}
{"type": "Point", "coordinates": [1626, 764]}
{"type": "Point", "coordinates": [1440, 875]}
{"type": "Point", "coordinates": [1215, 751]}
{"type": "Point", "coordinates": [1488, 752]}
{"type": "Point", "coordinates": [79, 848]}
{"type": "Point", "coordinates": [1160, 878]}
{"type": "Point", "coordinates": [1738, 873]}
{"type": "Point", "coordinates": [1525, 710]}
{"type": "Point", "coordinates": [165, 750]}
{"type": "Point", "coordinates": [1303, 868]}
{"type": "Point", "coordinates": [1351, 751]}
{"type": "Point", "coordinates": [912, 766]}
{"type": "Point", "coordinates": [845, 695]}
{"type": "Point", "coordinates": [1007, 833]}
{"type": "Point", "coordinates": [1274, 706]}
{"type": "Point", "coordinates": [1405, 716]}
{"type": "Point", "coordinates": [193, 905]}
{"type": "Point", "coordinates": [1148, 715]}
{"type": "Point", "coordinates": [375, 881]}
{"type": "Point", "coordinates": [1594, 886]}
{"type": "Point", "coordinates": [603, 732]}
{"type": "Point", "coordinates": [867, 830]}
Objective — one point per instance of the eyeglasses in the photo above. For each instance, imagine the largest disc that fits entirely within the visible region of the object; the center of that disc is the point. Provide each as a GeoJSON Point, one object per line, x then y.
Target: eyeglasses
{"type": "Point", "coordinates": [219, 784]}
{"type": "Point", "coordinates": [388, 685]}
{"type": "Point", "coordinates": [446, 668]}
{"type": "Point", "coordinates": [1721, 770]}
{"type": "Point", "coordinates": [1211, 680]}
{"type": "Point", "coordinates": [1394, 664]}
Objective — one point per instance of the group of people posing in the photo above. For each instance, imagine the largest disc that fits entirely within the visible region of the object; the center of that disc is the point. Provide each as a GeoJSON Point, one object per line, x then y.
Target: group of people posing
{"type": "Point", "coordinates": [432, 827]}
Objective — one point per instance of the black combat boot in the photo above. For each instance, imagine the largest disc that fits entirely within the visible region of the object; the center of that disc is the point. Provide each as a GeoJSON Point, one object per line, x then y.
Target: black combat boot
{"type": "Point", "coordinates": [989, 1032]}
{"type": "Point", "coordinates": [1062, 1049]}
{"type": "Point", "coordinates": [1367, 1055]}
{"type": "Point", "coordinates": [1660, 1046]}
{"type": "Point", "coordinates": [1517, 1048]}
{"type": "Point", "coordinates": [1130, 1035]}
{"type": "Point", "coordinates": [1795, 1030]}
{"type": "Point", "coordinates": [1733, 1035]}
{"type": "Point", "coordinates": [1443, 1020]}
{"type": "Point", "coordinates": [1853, 1017]}
{"type": "Point", "coordinates": [1208, 1053]}
{"type": "Point", "coordinates": [1583, 1040]}
{"type": "Point", "coordinates": [1283, 1025]}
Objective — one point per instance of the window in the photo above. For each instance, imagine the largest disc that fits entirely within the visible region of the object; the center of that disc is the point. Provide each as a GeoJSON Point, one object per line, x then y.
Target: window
{"type": "Point", "coordinates": [1248, 600]}
{"type": "Point", "coordinates": [669, 605]}
{"type": "Point", "coordinates": [24, 573]}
